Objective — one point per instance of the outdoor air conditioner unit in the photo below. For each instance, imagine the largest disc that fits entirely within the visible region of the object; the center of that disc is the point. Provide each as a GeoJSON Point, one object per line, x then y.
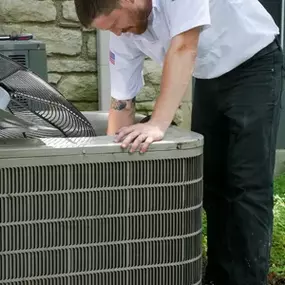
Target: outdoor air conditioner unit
{"type": "Point", "coordinates": [29, 53]}
{"type": "Point", "coordinates": [81, 211]}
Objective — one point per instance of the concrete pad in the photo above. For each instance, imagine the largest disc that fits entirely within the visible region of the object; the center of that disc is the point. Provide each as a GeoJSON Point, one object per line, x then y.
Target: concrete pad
{"type": "Point", "coordinates": [280, 162]}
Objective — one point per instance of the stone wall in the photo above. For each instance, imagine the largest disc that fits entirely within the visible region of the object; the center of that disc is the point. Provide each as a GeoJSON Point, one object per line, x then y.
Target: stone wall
{"type": "Point", "coordinates": [71, 52]}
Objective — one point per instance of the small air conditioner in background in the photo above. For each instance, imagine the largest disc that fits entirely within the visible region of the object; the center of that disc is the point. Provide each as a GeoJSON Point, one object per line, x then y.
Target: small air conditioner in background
{"type": "Point", "coordinates": [29, 53]}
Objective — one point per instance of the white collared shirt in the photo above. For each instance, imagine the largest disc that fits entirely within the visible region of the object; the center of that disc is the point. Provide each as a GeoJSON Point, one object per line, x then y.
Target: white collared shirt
{"type": "Point", "coordinates": [232, 32]}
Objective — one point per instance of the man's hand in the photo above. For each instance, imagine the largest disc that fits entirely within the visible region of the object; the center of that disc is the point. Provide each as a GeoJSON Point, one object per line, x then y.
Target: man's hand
{"type": "Point", "coordinates": [140, 136]}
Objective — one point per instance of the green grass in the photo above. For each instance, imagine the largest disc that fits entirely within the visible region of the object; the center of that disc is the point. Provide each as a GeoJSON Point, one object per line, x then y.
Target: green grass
{"type": "Point", "coordinates": [278, 243]}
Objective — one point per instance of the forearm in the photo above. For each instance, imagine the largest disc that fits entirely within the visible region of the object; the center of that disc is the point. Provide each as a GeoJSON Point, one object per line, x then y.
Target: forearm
{"type": "Point", "coordinates": [121, 114]}
{"type": "Point", "coordinates": [177, 71]}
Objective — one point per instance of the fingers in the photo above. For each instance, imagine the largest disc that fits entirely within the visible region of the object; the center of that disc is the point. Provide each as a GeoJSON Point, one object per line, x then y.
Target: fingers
{"type": "Point", "coordinates": [130, 138]}
{"type": "Point", "coordinates": [146, 144]}
{"type": "Point", "coordinates": [138, 136]}
{"type": "Point", "coordinates": [137, 141]}
{"type": "Point", "coordinates": [123, 132]}
{"type": "Point", "coordinates": [141, 138]}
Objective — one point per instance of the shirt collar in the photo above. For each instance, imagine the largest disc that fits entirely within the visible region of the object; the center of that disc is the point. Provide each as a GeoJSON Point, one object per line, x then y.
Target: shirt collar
{"type": "Point", "coordinates": [153, 14]}
{"type": "Point", "coordinates": [155, 4]}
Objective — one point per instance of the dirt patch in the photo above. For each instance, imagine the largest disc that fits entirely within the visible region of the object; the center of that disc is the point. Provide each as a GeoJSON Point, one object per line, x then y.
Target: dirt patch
{"type": "Point", "coordinates": [274, 279]}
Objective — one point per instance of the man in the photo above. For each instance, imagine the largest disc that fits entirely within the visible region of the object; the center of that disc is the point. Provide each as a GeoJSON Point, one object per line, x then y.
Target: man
{"type": "Point", "coordinates": [230, 48]}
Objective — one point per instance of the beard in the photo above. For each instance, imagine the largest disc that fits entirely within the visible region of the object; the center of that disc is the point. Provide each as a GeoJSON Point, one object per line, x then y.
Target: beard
{"type": "Point", "coordinates": [140, 28]}
{"type": "Point", "coordinates": [141, 20]}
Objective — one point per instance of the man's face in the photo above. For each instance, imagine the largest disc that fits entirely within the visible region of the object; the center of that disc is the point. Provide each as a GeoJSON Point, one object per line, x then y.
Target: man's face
{"type": "Point", "coordinates": [128, 18]}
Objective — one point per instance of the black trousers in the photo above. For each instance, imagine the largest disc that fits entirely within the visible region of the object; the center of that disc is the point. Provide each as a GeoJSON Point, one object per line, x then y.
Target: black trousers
{"type": "Point", "coordinates": [238, 114]}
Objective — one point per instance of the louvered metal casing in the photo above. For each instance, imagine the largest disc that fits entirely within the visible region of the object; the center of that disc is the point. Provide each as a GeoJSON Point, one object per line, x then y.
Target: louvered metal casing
{"type": "Point", "coordinates": [82, 211]}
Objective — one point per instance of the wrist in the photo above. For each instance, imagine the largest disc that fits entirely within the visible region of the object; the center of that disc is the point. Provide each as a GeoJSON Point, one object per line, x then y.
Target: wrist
{"type": "Point", "coordinates": [163, 125]}
{"type": "Point", "coordinates": [119, 119]}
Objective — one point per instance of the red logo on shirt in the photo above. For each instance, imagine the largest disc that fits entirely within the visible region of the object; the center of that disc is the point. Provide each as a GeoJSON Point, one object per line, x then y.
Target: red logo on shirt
{"type": "Point", "coordinates": [112, 57]}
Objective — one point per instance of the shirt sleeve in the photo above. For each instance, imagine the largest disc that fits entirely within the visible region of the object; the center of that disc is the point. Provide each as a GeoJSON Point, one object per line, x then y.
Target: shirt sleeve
{"type": "Point", "coordinates": [126, 68]}
{"type": "Point", "coordinates": [185, 15]}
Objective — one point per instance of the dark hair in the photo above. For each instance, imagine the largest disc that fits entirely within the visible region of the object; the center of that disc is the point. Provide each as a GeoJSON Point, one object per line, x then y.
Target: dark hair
{"type": "Point", "coordinates": [88, 10]}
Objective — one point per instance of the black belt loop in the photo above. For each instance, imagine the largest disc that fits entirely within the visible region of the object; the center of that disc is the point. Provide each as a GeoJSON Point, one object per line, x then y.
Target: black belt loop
{"type": "Point", "coordinates": [277, 40]}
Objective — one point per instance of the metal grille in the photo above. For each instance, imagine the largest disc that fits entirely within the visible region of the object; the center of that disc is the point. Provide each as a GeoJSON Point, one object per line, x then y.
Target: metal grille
{"type": "Point", "coordinates": [7, 67]}
{"type": "Point", "coordinates": [19, 58]}
{"type": "Point", "coordinates": [117, 223]}
{"type": "Point", "coordinates": [36, 101]}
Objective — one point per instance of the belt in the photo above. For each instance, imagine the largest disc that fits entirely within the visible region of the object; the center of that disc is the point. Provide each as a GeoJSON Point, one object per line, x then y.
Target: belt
{"type": "Point", "coordinates": [270, 48]}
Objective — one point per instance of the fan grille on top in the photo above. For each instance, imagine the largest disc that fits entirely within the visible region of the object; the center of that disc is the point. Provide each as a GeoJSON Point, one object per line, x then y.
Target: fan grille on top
{"type": "Point", "coordinates": [36, 101]}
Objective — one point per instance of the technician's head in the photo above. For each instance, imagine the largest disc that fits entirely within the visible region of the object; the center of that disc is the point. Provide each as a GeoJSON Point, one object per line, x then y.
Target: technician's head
{"type": "Point", "coordinates": [117, 16]}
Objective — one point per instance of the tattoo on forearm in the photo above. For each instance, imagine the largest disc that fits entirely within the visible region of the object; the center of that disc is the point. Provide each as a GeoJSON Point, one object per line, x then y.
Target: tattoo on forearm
{"type": "Point", "coordinates": [120, 105]}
